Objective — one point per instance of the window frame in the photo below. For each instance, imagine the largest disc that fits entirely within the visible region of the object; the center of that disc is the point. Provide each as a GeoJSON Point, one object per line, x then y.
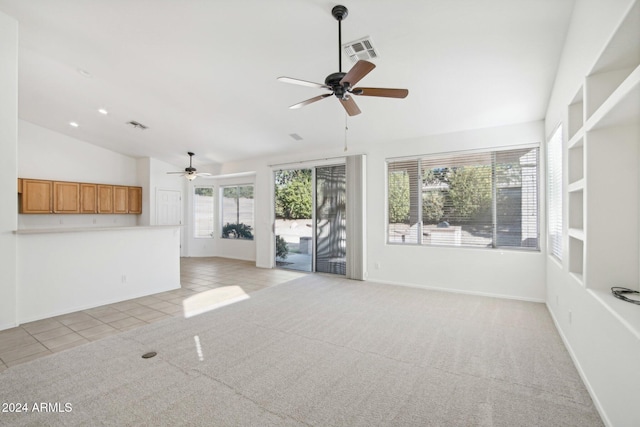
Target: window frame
{"type": "Point", "coordinates": [221, 222]}
{"type": "Point", "coordinates": [491, 151]}
{"type": "Point", "coordinates": [195, 212]}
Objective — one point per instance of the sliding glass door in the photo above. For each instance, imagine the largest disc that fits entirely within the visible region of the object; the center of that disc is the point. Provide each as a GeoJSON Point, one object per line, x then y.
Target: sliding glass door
{"type": "Point", "coordinates": [310, 219]}
{"type": "Point", "coordinates": [331, 219]}
{"type": "Point", "coordinates": [294, 219]}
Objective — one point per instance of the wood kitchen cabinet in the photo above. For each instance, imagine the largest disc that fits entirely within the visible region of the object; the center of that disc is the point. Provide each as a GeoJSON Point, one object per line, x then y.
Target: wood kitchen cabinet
{"type": "Point", "coordinates": [66, 197]}
{"type": "Point", "coordinates": [36, 196]}
{"type": "Point", "coordinates": [88, 198]}
{"type": "Point", "coordinates": [105, 198]}
{"type": "Point", "coordinates": [135, 200]}
{"type": "Point", "coordinates": [120, 199]}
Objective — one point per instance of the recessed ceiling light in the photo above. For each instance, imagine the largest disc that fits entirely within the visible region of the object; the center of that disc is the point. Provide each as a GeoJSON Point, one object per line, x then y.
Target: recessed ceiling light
{"type": "Point", "coordinates": [85, 73]}
{"type": "Point", "coordinates": [103, 111]}
{"type": "Point", "coordinates": [73, 124]}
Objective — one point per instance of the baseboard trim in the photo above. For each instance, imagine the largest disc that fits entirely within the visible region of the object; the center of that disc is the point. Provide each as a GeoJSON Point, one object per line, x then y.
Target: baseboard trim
{"type": "Point", "coordinates": [459, 291]}
{"type": "Point", "coordinates": [583, 376]}
{"type": "Point", "coordinates": [90, 306]}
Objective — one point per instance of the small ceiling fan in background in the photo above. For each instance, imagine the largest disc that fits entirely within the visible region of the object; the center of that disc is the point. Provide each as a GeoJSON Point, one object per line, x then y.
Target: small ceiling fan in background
{"type": "Point", "coordinates": [341, 84]}
{"type": "Point", "coordinates": [190, 172]}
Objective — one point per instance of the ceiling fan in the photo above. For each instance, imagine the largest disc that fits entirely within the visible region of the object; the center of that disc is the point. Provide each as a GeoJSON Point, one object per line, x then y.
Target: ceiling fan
{"type": "Point", "coordinates": [190, 172]}
{"type": "Point", "coordinates": [341, 84]}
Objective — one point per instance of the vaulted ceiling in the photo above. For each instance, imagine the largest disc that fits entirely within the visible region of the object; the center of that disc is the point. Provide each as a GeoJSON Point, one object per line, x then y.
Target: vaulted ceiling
{"type": "Point", "coordinates": [201, 74]}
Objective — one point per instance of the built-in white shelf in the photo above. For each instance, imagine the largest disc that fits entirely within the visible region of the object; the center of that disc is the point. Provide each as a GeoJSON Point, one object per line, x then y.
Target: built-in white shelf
{"type": "Point", "coordinates": [577, 233]}
{"type": "Point", "coordinates": [627, 313]}
{"type": "Point", "coordinates": [576, 114]}
{"type": "Point", "coordinates": [622, 107]}
{"type": "Point", "coordinates": [576, 210]}
{"type": "Point", "coordinates": [577, 140]}
{"type": "Point", "coordinates": [615, 66]}
{"type": "Point", "coordinates": [576, 186]}
{"type": "Point", "coordinates": [576, 254]}
{"type": "Point", "coordinates": [578, 278]}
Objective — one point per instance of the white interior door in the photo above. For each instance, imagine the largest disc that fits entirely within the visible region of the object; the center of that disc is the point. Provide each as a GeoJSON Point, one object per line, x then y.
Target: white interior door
{"type": "Point", "coordinates": [169, 207]}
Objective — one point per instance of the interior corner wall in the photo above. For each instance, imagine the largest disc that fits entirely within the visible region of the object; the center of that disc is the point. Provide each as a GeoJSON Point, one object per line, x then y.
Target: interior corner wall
{"type": "Point", "coordinates": [605, 351]}
{"type": "Point", "coordinates": [592, 22]}
{"type": "Point", "coordinates": [50, 155]}
{"type": "Point", "coordinates": [507, 273]}
{"type": "Point", "coordinates": [8, 169]}
{"type": "Point", "coordinates": [143, 169]}
{"type": "Point", "coordinates": [217, 246]}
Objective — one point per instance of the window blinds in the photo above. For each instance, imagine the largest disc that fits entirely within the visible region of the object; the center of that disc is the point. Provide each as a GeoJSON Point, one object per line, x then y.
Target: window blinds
{"type": "Point", "coordinates": [554, 179]}
{"type": "Point", "coordinates": [203, 212]}
{"type": "Point", "coordinates": [487, 199]}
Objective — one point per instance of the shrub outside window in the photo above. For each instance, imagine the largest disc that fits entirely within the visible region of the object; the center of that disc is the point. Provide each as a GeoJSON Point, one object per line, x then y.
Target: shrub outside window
{"type": "Point", "coordinates": [237, 212]}
{"type": "Point", "coordinates": [483, 199]}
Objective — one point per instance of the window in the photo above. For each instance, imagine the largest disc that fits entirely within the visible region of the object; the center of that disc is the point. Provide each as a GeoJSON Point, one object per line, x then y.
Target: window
{"type": "Point", "coordinates": [203, 212]}
{"type": "Point", "coordinates": [486, 199]}
{"type": "Point", "coordinates": [237, 212]}
{"type": "Point", "coordinates": [554, 179]}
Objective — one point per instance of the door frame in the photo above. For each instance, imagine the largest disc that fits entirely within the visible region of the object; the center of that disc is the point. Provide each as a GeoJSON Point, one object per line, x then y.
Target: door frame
{"type": "Point", "coordinates": [297, 166]}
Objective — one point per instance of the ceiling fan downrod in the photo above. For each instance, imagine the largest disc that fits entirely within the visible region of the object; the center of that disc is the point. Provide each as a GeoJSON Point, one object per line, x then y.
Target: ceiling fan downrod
{"type": "Point", "coordinates": [339, 12]}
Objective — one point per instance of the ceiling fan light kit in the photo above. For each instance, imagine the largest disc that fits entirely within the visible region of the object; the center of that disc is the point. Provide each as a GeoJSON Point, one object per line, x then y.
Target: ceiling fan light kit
{"type": "Point", "coordinates": [341, 84]}
{"type": "Point", "coordinates": [190, 172]}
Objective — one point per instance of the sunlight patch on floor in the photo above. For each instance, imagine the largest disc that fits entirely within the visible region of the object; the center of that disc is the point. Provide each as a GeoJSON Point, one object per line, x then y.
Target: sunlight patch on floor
{"type": "Point", "coordinates": [213, 299]}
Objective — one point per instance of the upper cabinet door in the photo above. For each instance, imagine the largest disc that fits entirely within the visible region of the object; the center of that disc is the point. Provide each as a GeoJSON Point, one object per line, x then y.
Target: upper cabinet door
{"type": "Point", "coordinates": [120, 199]}
{"type": "Point", "coordinates": [105, 198]}
{"type": "Point", "coordinates": [36, 196]}
{"type": "Point", "coordinates": [66, 197]}
{"type": "Point", "coordinates": [135, 200]}
{"type": "Point", "coordinates": [88, 198]}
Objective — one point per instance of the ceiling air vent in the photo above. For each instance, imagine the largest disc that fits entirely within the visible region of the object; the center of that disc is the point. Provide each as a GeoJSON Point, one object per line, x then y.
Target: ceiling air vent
{"type": "Point", "coordinates": [136, 125]}
{"type": "Point", "coordinates": [360, 49]}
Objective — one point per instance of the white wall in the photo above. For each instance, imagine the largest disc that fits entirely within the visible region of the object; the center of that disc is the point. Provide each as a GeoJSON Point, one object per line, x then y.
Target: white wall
{"type": "Point", "coordinates": [508, 273]}
{"type": "Point", "coordinates": [62, 272]}
{"type": "Point", "coordinates": [8, 167]}
{"type": "Point", "coordinates": [217, 246]}
{"type": "Point", "coordinates": [605, 351]}
{"type": "Point", "coordinates": [45, 154]}
{"type": "Point", "coordinates": [592, 23]}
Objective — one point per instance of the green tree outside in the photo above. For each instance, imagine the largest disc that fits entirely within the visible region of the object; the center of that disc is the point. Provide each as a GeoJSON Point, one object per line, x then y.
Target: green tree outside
{"type": "Point", "coordinates": [399, 200]}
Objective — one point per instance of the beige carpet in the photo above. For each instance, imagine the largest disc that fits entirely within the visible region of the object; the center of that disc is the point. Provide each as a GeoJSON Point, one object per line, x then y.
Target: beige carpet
{"type": "Point", "coordinates": [318, 351]}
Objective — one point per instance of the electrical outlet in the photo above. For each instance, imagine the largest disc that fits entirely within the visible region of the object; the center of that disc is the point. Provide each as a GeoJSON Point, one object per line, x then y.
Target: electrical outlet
{"type": "Point", "coordinates": [376, 265]}
{"type": "Point", "coordinates": [124, 278]}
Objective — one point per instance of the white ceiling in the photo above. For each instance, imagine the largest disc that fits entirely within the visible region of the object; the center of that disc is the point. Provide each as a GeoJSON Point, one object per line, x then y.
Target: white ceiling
{"type": "Point", "coordinates": [201, 74]}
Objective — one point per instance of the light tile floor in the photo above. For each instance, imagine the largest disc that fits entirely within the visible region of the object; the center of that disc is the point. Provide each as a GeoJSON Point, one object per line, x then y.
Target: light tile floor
{"type": "Point", "coordinates": [43, 337]}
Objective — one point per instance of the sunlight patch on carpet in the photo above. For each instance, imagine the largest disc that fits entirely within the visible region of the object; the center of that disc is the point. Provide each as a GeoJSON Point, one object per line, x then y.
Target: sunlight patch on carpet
{"type": "Point", "coordinates": [213, 299]}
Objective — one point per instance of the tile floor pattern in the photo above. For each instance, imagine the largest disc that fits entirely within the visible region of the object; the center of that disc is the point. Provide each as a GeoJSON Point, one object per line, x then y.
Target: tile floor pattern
{"type": "Point", "coordinates": [42, 337]}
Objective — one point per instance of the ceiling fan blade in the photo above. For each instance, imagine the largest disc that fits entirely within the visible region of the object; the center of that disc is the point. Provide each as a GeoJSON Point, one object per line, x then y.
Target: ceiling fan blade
{"type": "Point", "coordinates": [357, 72]}
{"type": "Point", "coordinates": [302, 82]}
{"type": "Point", "coordinates": [203, 174]}
{"type": "Point", "coordinates": [378, 91]}
{"type": "Point", "coordinates": [350, 105]}
{"type": "Point", "coordinates": [310, 101]}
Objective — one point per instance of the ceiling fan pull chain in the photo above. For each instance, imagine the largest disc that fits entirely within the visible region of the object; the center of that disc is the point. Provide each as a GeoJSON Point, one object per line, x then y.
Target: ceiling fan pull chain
{"type": "Point", "coordinates": [346, 128]}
